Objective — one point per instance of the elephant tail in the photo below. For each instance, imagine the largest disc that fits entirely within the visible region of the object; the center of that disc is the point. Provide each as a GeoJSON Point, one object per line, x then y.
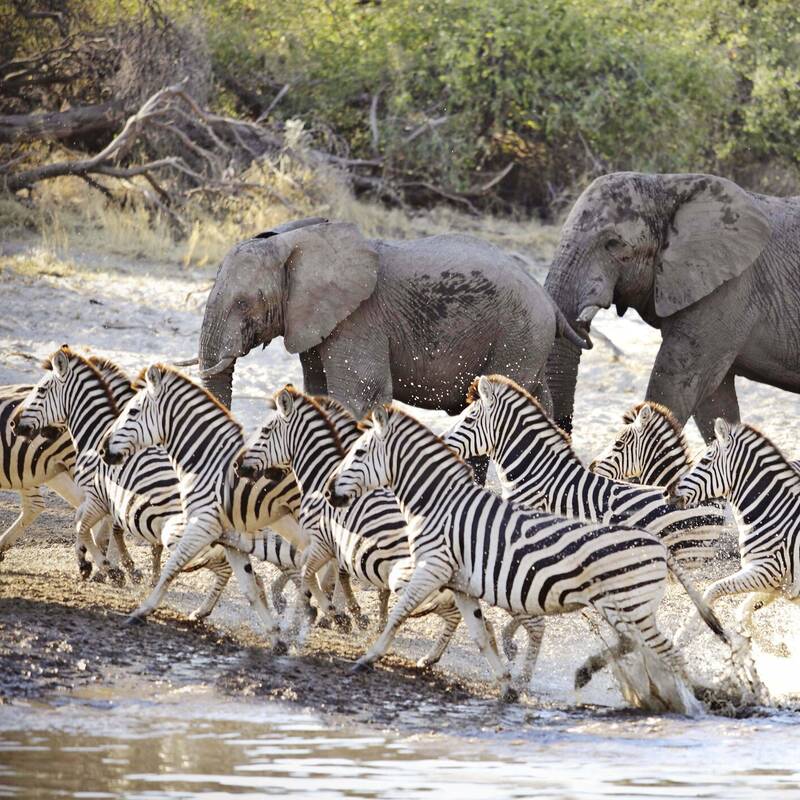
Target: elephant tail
{"type": "Point", "coordinates": [566, 331]}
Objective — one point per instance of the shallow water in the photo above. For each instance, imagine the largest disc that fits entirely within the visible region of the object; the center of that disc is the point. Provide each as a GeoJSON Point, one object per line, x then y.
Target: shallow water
{"type": "Point", "coordinates": [193, 742]}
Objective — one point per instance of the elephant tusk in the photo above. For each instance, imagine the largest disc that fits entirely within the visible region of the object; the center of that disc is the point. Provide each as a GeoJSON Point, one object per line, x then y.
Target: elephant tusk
{"type": "Point", "coordinates": [588, 314]}
{"type": "Point", "coordinates": [221, 365]}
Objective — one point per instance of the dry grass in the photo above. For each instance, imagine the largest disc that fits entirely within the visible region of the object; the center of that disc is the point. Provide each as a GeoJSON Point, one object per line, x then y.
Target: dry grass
{"type": "Point", "coordinates": [66, 215]}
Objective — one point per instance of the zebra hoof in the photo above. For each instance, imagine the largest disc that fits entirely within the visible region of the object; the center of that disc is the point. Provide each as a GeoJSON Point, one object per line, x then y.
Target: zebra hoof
{"type": "Point", "coordinates": [133, 619]}
{"type": "Point", "coordinates": [2, 555]}
{"type": "Point", "coordinates": [362, 620]}
{"type": "Point", "coordinates": [280, 648]}
{"type": "Point", "coordinates": [85, 570]}
{"type": "Point", "coordinates": [198, 615]}
{"type": "Point", "coordinates": [325, 622]}
{"type": "Point", "coordinates": [136, 576]}
{"type": "Point", "coordinates": [116, 576]}
{"type": "Point", "coordinates": [343, 622]}
{"type": "Point", "coordinates": [582, 676]}
{"type": "Point", "coordinates": [426, 662]}
{"type": "Point", "coordinates": [510, 695]}
{"type": "Point", "coordinates": [361, 666]}
{"type": "Point", "coordinates": [98, 577]}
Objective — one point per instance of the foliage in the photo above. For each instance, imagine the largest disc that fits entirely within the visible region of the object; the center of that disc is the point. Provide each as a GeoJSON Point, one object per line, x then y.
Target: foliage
{"type": "Point", "coordinates": [448, 93]}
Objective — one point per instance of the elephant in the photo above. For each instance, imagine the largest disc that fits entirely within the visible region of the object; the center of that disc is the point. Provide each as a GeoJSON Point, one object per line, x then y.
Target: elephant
{"type": "Point", "coordinates": [375, 320]}
{"type": "Point", "coordinates": [714, 267]}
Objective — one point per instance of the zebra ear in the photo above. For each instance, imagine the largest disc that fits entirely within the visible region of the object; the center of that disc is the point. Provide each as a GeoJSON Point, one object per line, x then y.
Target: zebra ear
{"type": "Point", "coordinates": [284, 403]}
{"type": "Point", "coordinates": [643, 417]}
{"type": "Point", "coordinates": [380, 421]}
{"type": "Point", "coordinates": [60, 365]}
{"type": "Point", "coordinates": [153, 379]}
{"type": "Point", "coordinates": [723, 430]}
{"type": "Point", "coordinates": [485, 390]}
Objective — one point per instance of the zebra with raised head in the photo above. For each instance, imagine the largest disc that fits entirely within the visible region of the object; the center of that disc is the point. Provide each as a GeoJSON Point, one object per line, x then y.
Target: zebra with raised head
{"type": "Point", "coordinates": [763, 487]}
{"type": "Point", "coordinates": [201, 439]}
{"type": "Point", "coordinates": [538, 468]}
{"type": "Point", "coordinates": [650, 448]}
{"type": "Point", "coordinates": [482, 547]}
{"type": "Point", "coordinates": [141, 496]}
{"type": "Point", "coordinates": [48, 459]}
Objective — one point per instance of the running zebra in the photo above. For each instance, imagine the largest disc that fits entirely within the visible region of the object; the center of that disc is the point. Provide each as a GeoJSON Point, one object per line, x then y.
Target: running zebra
{"type": "Point", "coordinates": [650, 448]}
{"type": "Point", "coordinates": [482, 547]}
{"type": "Point", "coordinates": [538, 468]}
{"type": "Point", "coordinates": [201, 439]}
{"type": "Point", "coordinates": [367, 540]}
{"type": "Point", "coordinates": [763, 487]}
{"type": "Point", "coordinates": [141, 496]}
{"type": "Point", "coordinates": [46, 460]}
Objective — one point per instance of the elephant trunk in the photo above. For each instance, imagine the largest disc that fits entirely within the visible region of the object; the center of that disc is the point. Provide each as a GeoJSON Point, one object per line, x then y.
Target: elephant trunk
{"type": "Point", "coordinates": [220, 384]}
{"type": "Point", "coordinates": [562, 364]}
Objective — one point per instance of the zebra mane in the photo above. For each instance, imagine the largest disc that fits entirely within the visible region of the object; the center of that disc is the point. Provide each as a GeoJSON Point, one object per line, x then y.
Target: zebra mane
{"type": "Point", "coordinates": [103, 364]}
{"type": "Point", "coordinates": [564, 443]}
{"type": "Point", "coordinates": [630, 415]}
{"type": "Point", "coordinates": [794, 476]}
{"type": "Point", "coordinates": [141, 379]}
{"type": "Point", "coordinates": [396, 412]}
{"type": "Point", "coordinates": [334, 409]}
{"type": "Point", "coordinates": [47, 364]}
{"type": "Point", "coordinates": [315, 403]}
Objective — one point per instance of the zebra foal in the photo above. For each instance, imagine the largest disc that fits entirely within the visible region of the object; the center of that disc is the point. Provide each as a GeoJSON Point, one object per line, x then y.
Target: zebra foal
{"type": "Point", "coordinates": [763, 487]}
{"type": "Point", "coordinates": [483, 547]}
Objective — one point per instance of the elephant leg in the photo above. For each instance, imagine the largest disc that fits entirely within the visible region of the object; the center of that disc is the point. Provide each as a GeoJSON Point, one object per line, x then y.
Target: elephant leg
{"type": "Point", "coordinates": [357, 367]}
{"type": "Point", "coordinates": [722, 402]}
{"type": "Point", "coordinates": [313, 372]}
{"type": "Point", "coordinates": [687, 368]}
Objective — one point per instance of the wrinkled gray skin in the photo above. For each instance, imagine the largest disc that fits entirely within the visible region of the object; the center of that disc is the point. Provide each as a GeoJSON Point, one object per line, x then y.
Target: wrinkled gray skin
{"type": "Point", "coordinates": [374, 320]}
{"type": "Point", "coordinates": [716, 268]}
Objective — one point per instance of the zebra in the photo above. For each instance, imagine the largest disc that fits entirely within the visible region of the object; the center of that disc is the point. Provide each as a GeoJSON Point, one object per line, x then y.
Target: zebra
{"type": "Point", "coordinates": [367, 540]}
{"type": "Point", "coordinates": [142, 496]}
{"type": "Point", "coordinates": [650, 448]}
{"type": "Point", "coordinates": [201, 439]}
{"type": "Point", "coordinates": [763, 487]}
{"type": "Point", "coordinates": [538, 468]}
{"type": "Point", "coordinates": [482, 547]}
{"type": "Point", "coordinates": [47, 460]}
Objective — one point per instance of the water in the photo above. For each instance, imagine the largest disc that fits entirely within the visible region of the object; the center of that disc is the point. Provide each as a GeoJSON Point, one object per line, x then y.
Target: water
{"type": "Point", "coordinates": [193, 742]}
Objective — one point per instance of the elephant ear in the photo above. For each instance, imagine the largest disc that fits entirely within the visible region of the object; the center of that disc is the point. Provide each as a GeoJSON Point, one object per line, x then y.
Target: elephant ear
{"type": "Point", "coordinates": [330, 271]}
{"type": "Point", "coordinates": [716, 234]}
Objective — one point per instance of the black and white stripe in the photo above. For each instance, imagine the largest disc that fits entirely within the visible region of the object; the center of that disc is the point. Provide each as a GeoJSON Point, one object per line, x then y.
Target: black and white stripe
{"type": "Point", "coordinates": [201, 439]}
{"type": "Point", "coordinates": [538, 468]}
{"type": "Point", "coordinates": [48, 459]}
{"type": "Point", "coordinates": [368, 539]}
{"type": "Point", "coordinates": [483, 547]}
{"type": "Point", "coordinates": [763, 487]}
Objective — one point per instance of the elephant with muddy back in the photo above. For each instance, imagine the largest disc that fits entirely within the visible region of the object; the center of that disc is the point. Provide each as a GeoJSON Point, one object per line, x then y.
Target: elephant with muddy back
{"type": "Point", "coordinates": [715, 267]}
{"type": "Point", "coordinates": [374, 320]}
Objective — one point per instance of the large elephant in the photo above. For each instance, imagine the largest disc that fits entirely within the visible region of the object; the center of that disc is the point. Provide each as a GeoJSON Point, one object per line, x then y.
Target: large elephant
{"type": "Point", "coordinates": [374, 320]}
{"type": "Point", "coordinates": [716, 268]}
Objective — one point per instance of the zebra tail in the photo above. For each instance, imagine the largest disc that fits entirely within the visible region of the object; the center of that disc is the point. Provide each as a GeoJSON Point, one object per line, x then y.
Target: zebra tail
{"type": "Point", "coordinates": [703, 608]}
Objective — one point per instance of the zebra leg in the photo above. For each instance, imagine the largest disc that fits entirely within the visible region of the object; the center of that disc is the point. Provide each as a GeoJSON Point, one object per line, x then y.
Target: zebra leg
{"type": "Point", "coordinates": [84, 543]}
{"type": "Point", "coordinates": [222, 574]}
{"type": "Point", "coordinates": [761, 577]}
{"type": "Point", "coordinates": [276, 590]}
{"type": "Point", "coordinates": [449, 612]}
{"type": "Point", "coordinates": [255, 596]}
{"type": "Point", "coordinates": [155, 563]}
{"type": "Point", "coordinates": [601, 660]}
{"type": "Point", "coordinates": [425, 580]}
{"type": "Point", "coordinates": [383, 608]}
{"type": "Point", "coordinates": [32, 505]}
{"type": "Point", "coordinates": [534, 627]}
{"type": "Point", "coordinates": [507, 635]}
{"type": "Point", "coordinates": [362, 620]}
{"type": "Point", "coordinates": [125, 557]}
{"type": "Point", "coordinates": [473, 616]}
{"type": "Point", "coordinates": [195, 538]}
{"type": "Point", "coordinates": [314, 558]}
